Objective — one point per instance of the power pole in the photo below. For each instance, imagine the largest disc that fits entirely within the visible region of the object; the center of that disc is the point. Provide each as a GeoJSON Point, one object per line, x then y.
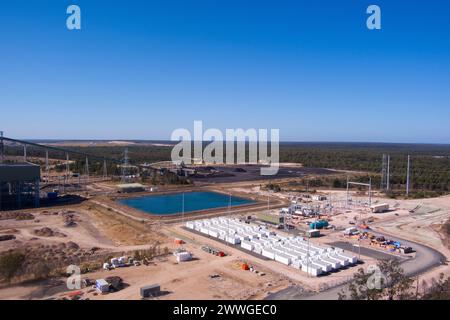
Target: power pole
{"type": "Point", "coordinates": [24, 153]}
{"type": "Point", "coordinates": [407, 176]}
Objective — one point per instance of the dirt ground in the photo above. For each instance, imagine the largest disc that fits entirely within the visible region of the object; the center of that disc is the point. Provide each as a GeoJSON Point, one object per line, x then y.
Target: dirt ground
{"type": "Point", "coordinates": [111, 232]}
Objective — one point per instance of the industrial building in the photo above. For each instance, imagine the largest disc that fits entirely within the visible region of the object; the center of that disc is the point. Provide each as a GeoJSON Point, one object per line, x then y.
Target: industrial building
{"type": "Point", "coordinates": [19, 185]}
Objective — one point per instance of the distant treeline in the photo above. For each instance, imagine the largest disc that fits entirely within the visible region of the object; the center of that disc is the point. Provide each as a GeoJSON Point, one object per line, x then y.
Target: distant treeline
{"type": "Point", "coordinates": [430, 164]}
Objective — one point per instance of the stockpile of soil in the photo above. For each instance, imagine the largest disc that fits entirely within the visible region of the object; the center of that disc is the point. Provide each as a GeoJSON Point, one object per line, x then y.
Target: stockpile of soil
{"type": "Point", "coordinates": [47, 232]}
{"type": "Point", "coordinates": [70, 219]}
{"type": "Point", "coordinates": [16, 215]}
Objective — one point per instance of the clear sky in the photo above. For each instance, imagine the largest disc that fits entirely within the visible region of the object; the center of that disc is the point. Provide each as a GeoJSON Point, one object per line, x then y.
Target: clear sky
{"type": "Point", "coordinates": [140, 69]}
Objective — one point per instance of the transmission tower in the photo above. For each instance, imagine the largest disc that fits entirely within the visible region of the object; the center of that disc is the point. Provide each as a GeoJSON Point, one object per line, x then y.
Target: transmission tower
{"type": "Point", "coordinates": [385, 172]}
{"type": "Point", "coordinates": [105, 171]}
{"type": "Point", "coordinates": [86, 169]}
{"type": "Point", "coordinates": [408, 178]}
{"type": "Point", "coordinates": [125, 166]}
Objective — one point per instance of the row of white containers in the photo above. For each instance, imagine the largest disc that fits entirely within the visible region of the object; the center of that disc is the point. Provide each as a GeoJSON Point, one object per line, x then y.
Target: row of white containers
{"type": "Point", "coordinates": [293, 251]}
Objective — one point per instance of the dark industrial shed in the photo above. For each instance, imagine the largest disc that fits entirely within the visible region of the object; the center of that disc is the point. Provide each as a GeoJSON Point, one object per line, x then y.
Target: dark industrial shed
{"type": "Point", "coordinates": [19, 185]}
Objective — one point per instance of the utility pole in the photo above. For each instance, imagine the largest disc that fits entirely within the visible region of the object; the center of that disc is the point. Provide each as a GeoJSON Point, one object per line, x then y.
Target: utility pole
{"type": "Point", "coordinates": [407, 176]}
{"type": "Point", "coordinates": [24, 153]}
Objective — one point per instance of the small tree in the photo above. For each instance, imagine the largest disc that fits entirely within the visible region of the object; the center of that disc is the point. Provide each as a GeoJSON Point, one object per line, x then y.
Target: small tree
{"type": "Point", "coordinates": [398, 285]}
{"type": "Point", "coordinates": [358, 288]}
{"type": "Point", "coordinates": [439, 290]}
{"type": "Point", "coordinates": [387, 281]}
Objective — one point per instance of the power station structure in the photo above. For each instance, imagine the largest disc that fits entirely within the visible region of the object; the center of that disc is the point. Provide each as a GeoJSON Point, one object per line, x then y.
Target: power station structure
{"type": "Point", "coordinates": [22, 183]}
{"type": "Point", "coordinates": [19, 185]}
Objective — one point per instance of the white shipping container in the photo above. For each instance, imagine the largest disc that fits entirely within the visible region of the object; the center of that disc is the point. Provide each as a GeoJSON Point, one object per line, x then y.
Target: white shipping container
{"type": "Point", "coordinates": [334, 263]}
{"type": "Point", "coordinates": [268, 253]}
{"type": "Point", "coordinates": [247, 245]}
{"type": "Point", "coordinates": [184, 256]}
{"type": "Point", "coordinates": [311, 269]}
{"type": "Point", "coordinates": [283, 258]}
{"type": "Point", "coordinates": [344, 261]}
{"type": "Point", "coordinates": [326, 267]}
{"type": "Point", "coordinates": [233, 240]}
{"type": "Point", "coordinates": [213, 233]}
{"type": "Point", "coordinates": [190, 225]}
{"type": "Point", "coordinates": [257, 250]}
{"type": "Point", "coordinates": [351, 259]}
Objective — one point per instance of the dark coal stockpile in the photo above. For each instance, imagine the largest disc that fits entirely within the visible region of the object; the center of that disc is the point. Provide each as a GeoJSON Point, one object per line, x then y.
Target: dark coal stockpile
{"type": "Point", "coordinates": [238, 173]}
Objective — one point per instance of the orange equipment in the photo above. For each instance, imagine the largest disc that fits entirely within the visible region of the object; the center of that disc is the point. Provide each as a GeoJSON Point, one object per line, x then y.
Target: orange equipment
{"type": "Point", "coordinates": [178, 241]}
{"type": "Point", "coordinates": [245, 266]}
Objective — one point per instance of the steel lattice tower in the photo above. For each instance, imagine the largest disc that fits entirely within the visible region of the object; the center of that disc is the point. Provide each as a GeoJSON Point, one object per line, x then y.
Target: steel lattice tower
{"type": "Point", "coordinates": [125, 166]}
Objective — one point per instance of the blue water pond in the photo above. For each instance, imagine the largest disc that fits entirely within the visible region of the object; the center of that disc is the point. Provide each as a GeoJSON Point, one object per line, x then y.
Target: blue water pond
{"type": "Point", "coordinates": [173, 203]}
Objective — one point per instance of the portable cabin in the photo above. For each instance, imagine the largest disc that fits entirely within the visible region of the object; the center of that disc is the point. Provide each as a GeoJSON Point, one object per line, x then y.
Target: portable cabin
{"type": "Point", "coordinates": [150, 291]}
{"type": "Point", "coordinates": [101, 285]}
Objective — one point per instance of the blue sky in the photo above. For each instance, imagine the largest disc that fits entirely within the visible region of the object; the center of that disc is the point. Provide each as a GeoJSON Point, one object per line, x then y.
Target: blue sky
{"type": "Point", "coordinates": [140, 69]}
